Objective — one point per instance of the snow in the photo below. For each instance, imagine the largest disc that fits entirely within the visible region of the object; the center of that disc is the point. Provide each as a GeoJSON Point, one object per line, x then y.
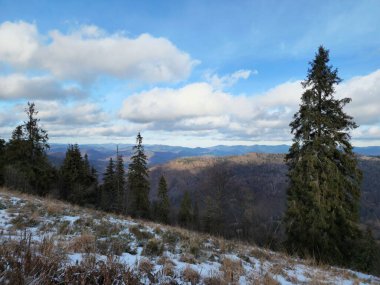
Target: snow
{"type": "Point", "coordinates": [71, 219]}
{"type": "Point", "coordinates": [129, 259]}
{"type": "Point", "coordinates": [254, 266]}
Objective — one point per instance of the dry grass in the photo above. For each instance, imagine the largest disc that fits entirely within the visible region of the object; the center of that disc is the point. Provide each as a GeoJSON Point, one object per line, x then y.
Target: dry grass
{"type": "Point", "coordinates": [267, 279]}
{"type": "Point", "coordinates": [145, 266]}
{"type": "Point", "coordinates": [153, 247]}
{"type": "Point", "coordinates": [23, 262]}
{"type": "Point", "coordinates": [215, 279]}
{"type": "Point", "coordinates": [191, 275]}
{"type": "Point", "coordinates": [54, 208]}
{"type": "Point", "coordinates": [232, 269]}
{"type": "Point", "coordinates": [168, 266]}
{"type": "Point", "coordinates": [84, 243]}
{"type": "Point", "coordinates": [188, 258]}
{"type": "Point", "coordinates": [95, 232]}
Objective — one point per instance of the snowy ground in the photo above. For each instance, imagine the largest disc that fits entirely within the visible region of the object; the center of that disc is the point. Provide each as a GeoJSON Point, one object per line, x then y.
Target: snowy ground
{"type": "Point", "coordinates": [158, 254]}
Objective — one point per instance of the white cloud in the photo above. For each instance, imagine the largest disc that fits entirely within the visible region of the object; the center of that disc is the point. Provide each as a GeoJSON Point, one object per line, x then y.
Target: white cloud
{"type": "Point", "coordinates": [17, 86]}
{"type": "Point", "coordinates": [71, 120]}
{"type": "Point", "coordinates": [228, 80]}
{"type": "Point", "coordinates": [365, 94]}
{"type": "Point", "coordinates": [199, 106]}
{"type": "Point", "coordinates": [202, 107]}
{"type": "Point", "coordinates": [70, 116]}
{"type": "Point", "coordinates": [18, 42]}
{"type": "Point", "coordinates": [89, 52]}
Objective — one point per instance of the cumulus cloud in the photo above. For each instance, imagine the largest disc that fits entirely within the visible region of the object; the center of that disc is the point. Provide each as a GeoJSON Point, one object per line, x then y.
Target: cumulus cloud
{"type": "Point", "coordinates": [203, 107]}
{"type": "Point", "coordinates": [88, 52]}
{"type": "Point", "coordinates": [17, 86]}
{"type": "Point", "coordinates": [365, 94]}
{"type": "Point", "coordinates": [18, 42]}
{"type": "Point", "coordinates": [199, 106]}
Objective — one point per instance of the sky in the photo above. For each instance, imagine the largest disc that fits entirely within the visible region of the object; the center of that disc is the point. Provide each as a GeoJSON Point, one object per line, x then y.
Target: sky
{"type": "Point", "coordinates": [189, 73]}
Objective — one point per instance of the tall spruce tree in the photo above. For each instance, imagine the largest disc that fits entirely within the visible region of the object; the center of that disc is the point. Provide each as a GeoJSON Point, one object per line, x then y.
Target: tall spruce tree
{"type": "Point", "coordinates": [109, 190]}
{"type": "Point", "coordinates": [137, 181]}
{"type": "Point", "coordinates": [2, 161]}
{"type": "Point", "coordinates": [163, 203]}
{"type": "Point", "coordinates": [120, 183]}
{"type": "Point", "coordinates": [323, 195]}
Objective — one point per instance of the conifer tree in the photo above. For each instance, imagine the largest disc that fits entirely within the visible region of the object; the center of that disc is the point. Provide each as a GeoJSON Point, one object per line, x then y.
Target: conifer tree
{"type": "Point", "coordinates": [2, 161]}
{"type": "Point", "coordinates": [108, 187]}
{"type": "Point", "coordinates": [120, 183]}
{"type": "Point", "coordinates": [26, 155]}
{"type": "Point", "coordinates": [163, 203]}
{"type": "Point", "coordinates": [323, 195]}
{"type": "Point", "coordinates": [77, 182]}
{"type": "Point", "coordinates": [138, 184]}
{"type": "Point", "coordinates": [185, 211]}
{"type": "Point", "coordinates": [37, 137]}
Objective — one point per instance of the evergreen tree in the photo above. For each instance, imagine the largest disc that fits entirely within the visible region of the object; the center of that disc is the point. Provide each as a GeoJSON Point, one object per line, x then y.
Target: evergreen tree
{"type": "Point", "coordinates": [26, 157]}
{"type": "Point", "coordinates": [77, 182]}
{"type": "Point", "coordinates": [37, 137]}
{"type": "Point", "coordinates": [120, 183]}
{"type": "Point", "coordinates": [163, 203]}
{"type": "Point", "coordinates": [323, 195]}
{"type": "Point", "coordinates": [138, 184]}
{"type": "Point", "coordinates": [2, 161]}
{"type": "Point", "coordinates": [108, 189]}
{"type": "Point", "coordinates": [185, 211]}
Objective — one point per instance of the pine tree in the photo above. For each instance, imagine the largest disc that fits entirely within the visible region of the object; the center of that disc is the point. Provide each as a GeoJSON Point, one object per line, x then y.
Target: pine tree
{"type": "Point", "coordinates": [138, 184]}
{"type": "Point", "coordinates": [185, 211]}
{"type": "Point", "coordinates": [323, 195]}
{"type": "Point", "coordinates": [120, 183]}
{"type": "Point", "coordinates": [163, 203]}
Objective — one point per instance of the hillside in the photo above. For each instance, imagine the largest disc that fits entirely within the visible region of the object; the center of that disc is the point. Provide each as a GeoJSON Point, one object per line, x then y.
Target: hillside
{"type": "Point", "coordinates": [46, 241]}
{"type": "Point", "coordinates": [264, 176]}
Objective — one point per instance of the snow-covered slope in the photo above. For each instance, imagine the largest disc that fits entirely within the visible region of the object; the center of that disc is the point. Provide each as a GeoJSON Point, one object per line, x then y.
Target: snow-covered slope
{"type": "Point", "coordinates": [44, 240]}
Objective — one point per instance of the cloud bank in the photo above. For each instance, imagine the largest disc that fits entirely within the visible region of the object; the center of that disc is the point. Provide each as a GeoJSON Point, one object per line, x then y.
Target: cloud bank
{"type": "Point", "coordinates": [202, 106]}
{"type": "Point", "coordinates": [89, 52]}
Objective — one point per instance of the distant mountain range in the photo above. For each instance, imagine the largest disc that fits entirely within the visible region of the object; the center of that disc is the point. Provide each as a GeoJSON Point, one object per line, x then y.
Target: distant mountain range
{"type": "Point", "coordinates": [99, 154]}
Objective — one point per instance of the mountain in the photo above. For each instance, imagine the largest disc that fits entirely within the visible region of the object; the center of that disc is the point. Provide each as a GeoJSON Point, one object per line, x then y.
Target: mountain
{"type": "Point", "coordinates": [45, 241]}
{"type": "Point", "coordinates": [158, 154]}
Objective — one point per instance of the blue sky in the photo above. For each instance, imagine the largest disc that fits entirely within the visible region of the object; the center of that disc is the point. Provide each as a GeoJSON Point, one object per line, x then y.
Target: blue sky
{"type": "Point", "coordinates": [193, 73]}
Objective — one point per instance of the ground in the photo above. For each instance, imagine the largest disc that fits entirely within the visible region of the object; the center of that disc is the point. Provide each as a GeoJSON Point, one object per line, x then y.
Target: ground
{"type": "Point", "coordinates": [45, 241]}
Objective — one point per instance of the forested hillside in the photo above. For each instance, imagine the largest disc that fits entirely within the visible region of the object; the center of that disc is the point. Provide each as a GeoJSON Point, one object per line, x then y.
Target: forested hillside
{"type": "Point", "coordinates": [263, 177]}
